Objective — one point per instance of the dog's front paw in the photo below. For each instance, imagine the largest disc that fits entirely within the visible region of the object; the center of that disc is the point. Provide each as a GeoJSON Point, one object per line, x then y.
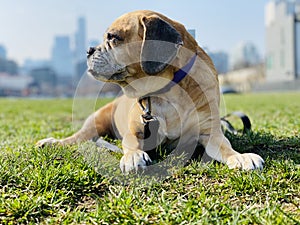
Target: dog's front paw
{"type": "Point", "coordinates": [246, 161]}
{"type": "Point", "coordinates": [134, 160]}
{"type": "Point", "coordinates": [47, 142]}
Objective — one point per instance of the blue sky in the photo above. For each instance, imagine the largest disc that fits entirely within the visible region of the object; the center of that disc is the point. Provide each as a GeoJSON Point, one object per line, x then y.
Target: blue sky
{"type": "Point", "coordinates": [27, 28]}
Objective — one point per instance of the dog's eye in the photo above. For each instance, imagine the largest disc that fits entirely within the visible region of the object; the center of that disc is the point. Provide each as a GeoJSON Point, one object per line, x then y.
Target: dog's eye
{"type": "Point", "coordinates": [114, 37]}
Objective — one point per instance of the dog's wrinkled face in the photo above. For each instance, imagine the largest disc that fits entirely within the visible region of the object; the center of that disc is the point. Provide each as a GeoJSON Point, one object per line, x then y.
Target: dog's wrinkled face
{"type": "Point", "coordinates": [137, 45]}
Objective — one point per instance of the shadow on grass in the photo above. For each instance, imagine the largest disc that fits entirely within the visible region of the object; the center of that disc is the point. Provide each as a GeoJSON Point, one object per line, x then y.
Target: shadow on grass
{"type": "Point", "coordinates": [267, 145]}
{"type": "Point", "coordinates": [264, 144]}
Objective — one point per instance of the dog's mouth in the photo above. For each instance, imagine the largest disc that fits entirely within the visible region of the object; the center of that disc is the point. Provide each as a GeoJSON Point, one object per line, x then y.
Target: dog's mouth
{"type": "Point", "coordinates": [102, 66]}
{"type": "Point", "coordinates": [116, 77]}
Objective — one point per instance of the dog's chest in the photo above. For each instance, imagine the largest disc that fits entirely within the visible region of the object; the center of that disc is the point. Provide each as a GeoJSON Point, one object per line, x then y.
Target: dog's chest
{"type": "Point", "coordinates": [172, 118]}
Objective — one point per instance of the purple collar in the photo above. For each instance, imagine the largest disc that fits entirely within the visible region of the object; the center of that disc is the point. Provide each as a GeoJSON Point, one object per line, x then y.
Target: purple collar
{"type": "Point", "coordinates": [181, 73]}
{"type": "Point", "coordinates": [178, 76]}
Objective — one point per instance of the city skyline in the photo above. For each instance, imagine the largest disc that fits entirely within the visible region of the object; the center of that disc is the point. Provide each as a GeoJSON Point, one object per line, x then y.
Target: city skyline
{"type": "Point", "coordinates": [219, 26]}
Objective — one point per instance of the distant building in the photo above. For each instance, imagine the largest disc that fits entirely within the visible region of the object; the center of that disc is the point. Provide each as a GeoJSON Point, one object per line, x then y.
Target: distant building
{"type": "Point", "coordinates": [80, 40]}
{"type": "Point", "coordinates": [2, 52]}
{"type": "Point", "coordinates": [9, 66]}
{"type": "Point", "coordinates": [282, 25]}
{"type": "Point", "coordinates": [244, 55]}
{"type": "Point", "coordinates": [62, 57]}
{"type": "Point", "coordinates": [14, 85]}
{"type": "Point", "coordinates": [45, 81]}
{"type": "Point", "coordinates": [12, 67]}
{"type": "Point", "coordinates": [192, 32]}
{"type": "Point", "coordinates": [80, 69]}
{"type": "Point", "coordinates": [220, 60]}
{"type": "Point", "coordinates": [30, 64]}
{"type": "Point", "coordinates": [242, 80]}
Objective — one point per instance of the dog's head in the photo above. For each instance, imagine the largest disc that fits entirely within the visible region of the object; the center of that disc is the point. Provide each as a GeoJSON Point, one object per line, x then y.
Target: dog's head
{"type": "Point", "coordinates": [137, 45]}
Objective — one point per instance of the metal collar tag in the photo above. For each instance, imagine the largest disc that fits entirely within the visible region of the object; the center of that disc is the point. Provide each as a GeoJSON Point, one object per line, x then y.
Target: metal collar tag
{"type": "Point", "coordinates": [151, 125]}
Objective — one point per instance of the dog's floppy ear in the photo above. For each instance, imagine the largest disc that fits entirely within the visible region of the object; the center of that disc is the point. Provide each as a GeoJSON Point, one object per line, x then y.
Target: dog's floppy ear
{"type": "Point", "coordinates": [160, 44]}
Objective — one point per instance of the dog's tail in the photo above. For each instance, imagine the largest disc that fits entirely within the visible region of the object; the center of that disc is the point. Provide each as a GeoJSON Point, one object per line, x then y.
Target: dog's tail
{"type": "Point", "coordinates": [227, 126]}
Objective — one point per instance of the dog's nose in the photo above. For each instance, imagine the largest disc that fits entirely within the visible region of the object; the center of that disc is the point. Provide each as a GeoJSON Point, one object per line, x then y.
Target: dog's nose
{"type": "Point", "coordinates": [91, 51]}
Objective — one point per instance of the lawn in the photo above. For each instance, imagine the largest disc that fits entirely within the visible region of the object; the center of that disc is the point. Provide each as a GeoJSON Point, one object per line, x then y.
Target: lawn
{"type": "Point", "coordinates": [55, 185]}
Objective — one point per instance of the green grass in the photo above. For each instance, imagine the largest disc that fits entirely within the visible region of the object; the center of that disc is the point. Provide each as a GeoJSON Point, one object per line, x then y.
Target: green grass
{"type": "Point", "coordinates": [55, 185]}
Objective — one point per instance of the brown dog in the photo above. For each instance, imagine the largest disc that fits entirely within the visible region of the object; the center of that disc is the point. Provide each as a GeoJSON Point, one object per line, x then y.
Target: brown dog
{"type": "Point", "coordinates": [161, 68]}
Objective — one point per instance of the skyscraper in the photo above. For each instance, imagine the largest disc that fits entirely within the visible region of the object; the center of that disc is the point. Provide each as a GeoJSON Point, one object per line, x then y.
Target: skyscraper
{"type": "Point", "coordinates": [80, 40]}
{"type": "Point", "coordinates": [2, 52]}
{"type": "Point", "coordinates": [282, 24]}
{"type": "Point", "coordinates": [220, 60]}
{"type": "Point", "coordinates": [62, 56]}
